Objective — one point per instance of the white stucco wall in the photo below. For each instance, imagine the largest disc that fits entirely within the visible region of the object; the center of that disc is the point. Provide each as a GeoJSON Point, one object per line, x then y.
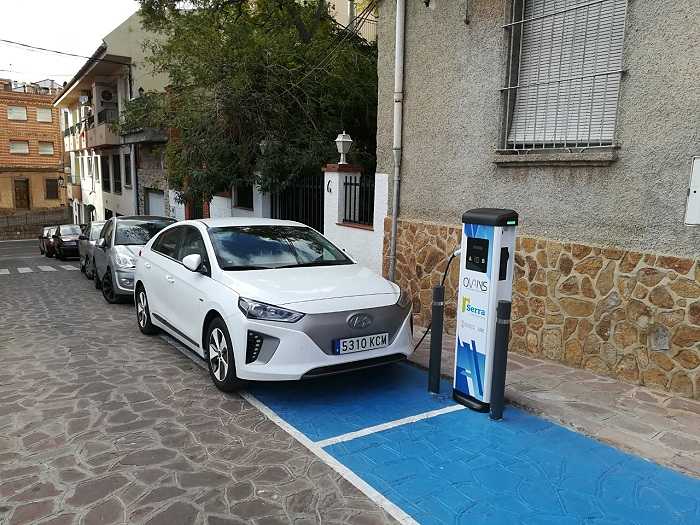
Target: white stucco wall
{"type": "Point", "coordinates": [177, 209]}
{"type": "Point", "coordinates": [220, 207]}
{"type": "Point", "coordinates": [362, 244]}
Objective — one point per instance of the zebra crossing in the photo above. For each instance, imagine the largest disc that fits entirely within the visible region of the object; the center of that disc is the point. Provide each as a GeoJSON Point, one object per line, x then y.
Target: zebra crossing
{"type": "Point", "coordinates": [39, 268]}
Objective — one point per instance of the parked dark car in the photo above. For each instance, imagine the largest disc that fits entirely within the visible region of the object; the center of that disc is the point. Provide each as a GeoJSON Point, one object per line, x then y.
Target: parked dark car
{"type": "Point", "coordinates": [66, 240]}
{"type": "Point", "coordinates": [86, 247]}
{"type": "Point", "coordinates": [44, 237]}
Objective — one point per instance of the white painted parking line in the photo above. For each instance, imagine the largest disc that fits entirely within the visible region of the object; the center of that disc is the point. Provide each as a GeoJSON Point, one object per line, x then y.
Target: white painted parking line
{"type": "Point", "coordinates": [4, 271]}
{"type": "Point", "coordinates": [397, 513]}
{"type": "Point", "coordinates": [24, 269]}
{"type": "Point", "coordinates": [386, 426]}
{"type": "Point", "coordinates": [68, 267]}
{"type": "Point", "coordinates": [47, 268]}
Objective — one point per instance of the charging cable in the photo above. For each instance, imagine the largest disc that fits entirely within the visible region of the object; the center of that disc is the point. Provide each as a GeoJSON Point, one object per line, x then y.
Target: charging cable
{"type": "Point", "coordinates": [456, 253]}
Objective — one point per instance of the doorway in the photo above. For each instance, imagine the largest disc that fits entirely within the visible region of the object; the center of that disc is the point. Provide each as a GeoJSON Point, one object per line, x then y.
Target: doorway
{"type": "Point", "coordinates": [21, 194]}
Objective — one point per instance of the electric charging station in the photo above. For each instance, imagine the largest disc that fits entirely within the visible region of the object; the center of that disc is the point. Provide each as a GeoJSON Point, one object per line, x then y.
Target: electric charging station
{"type": "Point", "coordinates": [485, 278]}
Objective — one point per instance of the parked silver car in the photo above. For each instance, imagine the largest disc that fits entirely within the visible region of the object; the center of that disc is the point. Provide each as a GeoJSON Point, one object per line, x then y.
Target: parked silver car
{"type": "Point", "coordinates": [116, 249]}
{"type": "Point", "coordinates": [86, 247]}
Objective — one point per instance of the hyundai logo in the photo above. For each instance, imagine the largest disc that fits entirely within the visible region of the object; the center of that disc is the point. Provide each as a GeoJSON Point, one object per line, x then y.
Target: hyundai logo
{"type": "Point", "coordinates": [359, 321]}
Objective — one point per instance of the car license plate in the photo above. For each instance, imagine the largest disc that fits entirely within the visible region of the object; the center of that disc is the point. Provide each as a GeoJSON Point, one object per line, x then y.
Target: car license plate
{"type": "Point", "coordinates": [361, 344]}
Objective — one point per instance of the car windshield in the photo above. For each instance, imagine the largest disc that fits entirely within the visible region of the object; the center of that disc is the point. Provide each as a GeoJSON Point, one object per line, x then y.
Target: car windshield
{"type": "Point", "coordinates": [95, 229]}
{"type": "Point", "coordinates": [138, 231]}
{"type": "Point", "coordinates": [266, 247]}
{"type": "Point", "coordinates": [70, 229]}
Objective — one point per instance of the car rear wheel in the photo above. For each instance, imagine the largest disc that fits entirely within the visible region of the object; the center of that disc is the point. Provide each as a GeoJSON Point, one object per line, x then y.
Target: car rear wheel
{"type": "Point", "coordinates": [219, 352]}
{"type": "Point", "coordinates": [108, 291]}
{"type": "Point", "coordinates": [143, 313]}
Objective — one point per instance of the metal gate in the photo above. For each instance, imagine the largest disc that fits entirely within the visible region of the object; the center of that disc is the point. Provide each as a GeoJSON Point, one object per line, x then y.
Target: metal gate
{"type": "Point", "coordinates": [301, 201]}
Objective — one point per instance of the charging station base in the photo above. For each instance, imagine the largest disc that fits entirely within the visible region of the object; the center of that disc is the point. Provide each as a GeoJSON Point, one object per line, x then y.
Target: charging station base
{"type": "Point", "coordinates": [470, 402]}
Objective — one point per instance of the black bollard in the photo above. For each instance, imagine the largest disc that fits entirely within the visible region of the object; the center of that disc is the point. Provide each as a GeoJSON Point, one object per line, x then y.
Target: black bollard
{"type": "Point", "coordinates": [500, 360]}
{"type": "Point", "coordinates": [436, 340]}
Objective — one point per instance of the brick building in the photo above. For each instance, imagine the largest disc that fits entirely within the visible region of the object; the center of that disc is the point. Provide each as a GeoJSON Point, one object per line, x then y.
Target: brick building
{"type": "Point", "coordinates": [30, 149]}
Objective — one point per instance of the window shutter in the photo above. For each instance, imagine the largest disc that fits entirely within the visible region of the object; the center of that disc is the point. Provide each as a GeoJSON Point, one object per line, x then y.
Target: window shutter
{"type": "Point", "coordinates": [19, 147]}
{"type": "Point", "coordinates": [16, 113]}
{"type": "Point", "coordinates": [44, 115]}
{"type": "Point", "coordinates": [45, 148]}
{"type": "Point", "coordinates": [568, 81]}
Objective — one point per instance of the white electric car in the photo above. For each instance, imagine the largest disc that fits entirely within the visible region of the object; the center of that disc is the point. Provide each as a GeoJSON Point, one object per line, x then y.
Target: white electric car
{"type": "Point", "coordinates": [264, 299]}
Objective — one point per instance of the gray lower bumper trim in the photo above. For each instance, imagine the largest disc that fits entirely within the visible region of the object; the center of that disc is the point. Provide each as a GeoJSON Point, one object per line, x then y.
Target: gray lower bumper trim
{"type": "Point", "coordinates": [354, 365]}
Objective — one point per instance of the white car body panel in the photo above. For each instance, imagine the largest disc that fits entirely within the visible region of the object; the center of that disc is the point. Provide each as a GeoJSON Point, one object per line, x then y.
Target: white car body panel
{"type": "Point", "coordinates": [179, 301]}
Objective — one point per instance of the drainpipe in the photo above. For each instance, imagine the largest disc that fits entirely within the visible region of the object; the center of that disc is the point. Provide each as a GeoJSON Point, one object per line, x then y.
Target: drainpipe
{"type": "Point", "coordinates": [398, 123]}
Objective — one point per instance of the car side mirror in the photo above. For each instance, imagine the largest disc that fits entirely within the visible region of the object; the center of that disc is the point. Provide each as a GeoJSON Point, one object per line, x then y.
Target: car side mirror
{"type": "Point", "coordinates": [192, 262]}
{"type": "Point", "coordinates": [101, 243]}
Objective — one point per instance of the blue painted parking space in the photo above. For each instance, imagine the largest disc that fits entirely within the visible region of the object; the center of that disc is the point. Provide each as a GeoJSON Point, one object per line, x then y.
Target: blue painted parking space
{"type": "Point", "coordinates": [460, 467]}
{"type": "Point", "coordinates": [332, 406]}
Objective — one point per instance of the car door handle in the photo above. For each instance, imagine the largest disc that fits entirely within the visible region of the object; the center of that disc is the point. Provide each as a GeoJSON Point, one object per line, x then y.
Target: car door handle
{"type": "Point", "coordinates": [169, 279]}
{"type": "Point", "coordinates": [147, 265]}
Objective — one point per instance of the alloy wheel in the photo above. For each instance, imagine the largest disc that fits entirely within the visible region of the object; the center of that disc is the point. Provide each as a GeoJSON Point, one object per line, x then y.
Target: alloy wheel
{"type": "Point", "coordinates": [218, 354]}
{"type": "Point", "coordinates": [141, 308]}
{"type": "Point", "coordinates": [107, 287]}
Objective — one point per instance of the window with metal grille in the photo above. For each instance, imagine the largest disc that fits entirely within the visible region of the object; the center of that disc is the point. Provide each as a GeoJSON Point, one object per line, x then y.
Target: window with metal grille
{"type": "Point", "coordinates": [104, 173]}
{"type": "Point", "coordinates": [116, 174]}
{"type": "Point", "coordinates": [564, 74]}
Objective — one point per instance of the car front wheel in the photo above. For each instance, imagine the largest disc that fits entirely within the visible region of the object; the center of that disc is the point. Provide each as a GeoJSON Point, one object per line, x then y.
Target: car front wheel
{"type": "Point", "coordinates": [108, 291]}
{"type": "Point", "coordinates": [219, 351]}
{"type": "Point", "coordinates": [143, 313]}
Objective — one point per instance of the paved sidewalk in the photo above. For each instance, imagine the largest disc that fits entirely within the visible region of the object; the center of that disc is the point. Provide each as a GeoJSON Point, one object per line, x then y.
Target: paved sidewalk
{"type": "Point", "coordinates": [654, 425]}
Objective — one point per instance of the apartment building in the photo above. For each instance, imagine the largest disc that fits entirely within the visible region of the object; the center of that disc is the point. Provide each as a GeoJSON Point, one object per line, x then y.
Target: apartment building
{"type": "Point", "coordinates": [583, 117]}
{"type": "Point", "coordinates": [118, 175]}
{"type": "Point", "coordinates": [31, 171]}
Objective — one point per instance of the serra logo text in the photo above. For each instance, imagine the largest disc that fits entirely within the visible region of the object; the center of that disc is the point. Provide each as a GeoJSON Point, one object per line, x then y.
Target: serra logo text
{"type": "Point", "coordinates": [468, 307]}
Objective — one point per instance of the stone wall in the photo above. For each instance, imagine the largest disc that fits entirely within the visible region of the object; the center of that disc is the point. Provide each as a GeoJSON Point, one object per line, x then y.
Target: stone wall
{"type": "Point", "coordinates": [631, 315]}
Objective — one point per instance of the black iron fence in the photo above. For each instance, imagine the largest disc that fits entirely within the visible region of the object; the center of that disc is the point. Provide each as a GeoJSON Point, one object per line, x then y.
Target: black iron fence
{"type": "Point", "coordinates": [358, 194]}
{"type": "Point", "coordinates": [301, 201]}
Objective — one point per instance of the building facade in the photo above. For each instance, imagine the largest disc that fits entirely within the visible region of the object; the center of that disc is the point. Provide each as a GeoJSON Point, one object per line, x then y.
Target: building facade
{"type": "Point", "coordinates": [105, 165]}
{"type": "Point", "coordinates": [583, 117]}
{"type": "Point", "coordinates": [31, 164]}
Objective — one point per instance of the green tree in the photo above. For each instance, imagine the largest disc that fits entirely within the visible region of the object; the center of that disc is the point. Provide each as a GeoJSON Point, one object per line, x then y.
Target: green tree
{"type": "Point", "coordinates": [258, 91]}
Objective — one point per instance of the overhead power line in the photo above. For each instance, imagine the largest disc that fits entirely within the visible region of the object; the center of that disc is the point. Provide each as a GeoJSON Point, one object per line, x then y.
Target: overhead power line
{"type": "Point", "coordinates": [57, 52]}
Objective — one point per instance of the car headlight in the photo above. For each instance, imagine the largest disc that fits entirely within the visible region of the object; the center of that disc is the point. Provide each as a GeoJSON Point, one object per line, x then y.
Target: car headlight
{"type": "Point", "coordinates": [404, 299]}
{"type": "Point", "coordinates": [125, 261]}
{"type": "Point", "coordinates": [267, 312]}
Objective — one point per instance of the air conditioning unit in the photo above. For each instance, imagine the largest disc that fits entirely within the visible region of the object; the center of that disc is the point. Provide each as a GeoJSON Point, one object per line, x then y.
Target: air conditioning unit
{"type": "Point", "coordinates": [107, 96]}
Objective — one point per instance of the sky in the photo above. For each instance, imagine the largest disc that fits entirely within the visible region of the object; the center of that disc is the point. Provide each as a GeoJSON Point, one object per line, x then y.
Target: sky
{"type": "Point", "coordinates": [73, 26]}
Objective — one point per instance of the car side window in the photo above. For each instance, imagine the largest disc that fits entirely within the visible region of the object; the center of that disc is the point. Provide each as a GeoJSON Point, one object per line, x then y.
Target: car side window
{"type": "Point", "coordinates": [167, 243]}
{"type": "Point", "coordinates": [192, 243]}
{"type": "Point", "coordinates": [106, 232]}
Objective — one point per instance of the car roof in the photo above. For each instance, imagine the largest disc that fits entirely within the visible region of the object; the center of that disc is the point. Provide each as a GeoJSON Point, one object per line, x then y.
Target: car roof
{"type": "Point", "coordinates": [245, 221]}
{"type": "Point", "coordinates": [144, 218]}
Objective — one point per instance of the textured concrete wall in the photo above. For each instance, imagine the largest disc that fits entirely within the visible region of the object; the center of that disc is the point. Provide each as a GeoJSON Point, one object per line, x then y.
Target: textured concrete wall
{"type": "Point", "coordinates": [452, 120]}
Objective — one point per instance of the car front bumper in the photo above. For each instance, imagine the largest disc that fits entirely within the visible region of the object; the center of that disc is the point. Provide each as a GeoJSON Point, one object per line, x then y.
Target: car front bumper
{"type": "Point", "coordinates": [293, 351]}
{"type": "Point", "coordinates": [124, 282]}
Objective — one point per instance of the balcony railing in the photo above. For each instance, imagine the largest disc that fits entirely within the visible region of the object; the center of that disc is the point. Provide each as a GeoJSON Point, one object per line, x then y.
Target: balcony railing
{"type": "Point", "coordinates": [107, 115]}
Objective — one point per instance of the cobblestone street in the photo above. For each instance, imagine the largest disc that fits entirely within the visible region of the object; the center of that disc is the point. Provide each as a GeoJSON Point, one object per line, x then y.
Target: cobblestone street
{"type": "Point", "coordinates": [100, 424]}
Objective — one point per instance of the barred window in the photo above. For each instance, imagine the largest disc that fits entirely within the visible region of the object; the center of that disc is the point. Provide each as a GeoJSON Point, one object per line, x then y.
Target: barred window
{"type": "Point", "coordinates": [564, 73]}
